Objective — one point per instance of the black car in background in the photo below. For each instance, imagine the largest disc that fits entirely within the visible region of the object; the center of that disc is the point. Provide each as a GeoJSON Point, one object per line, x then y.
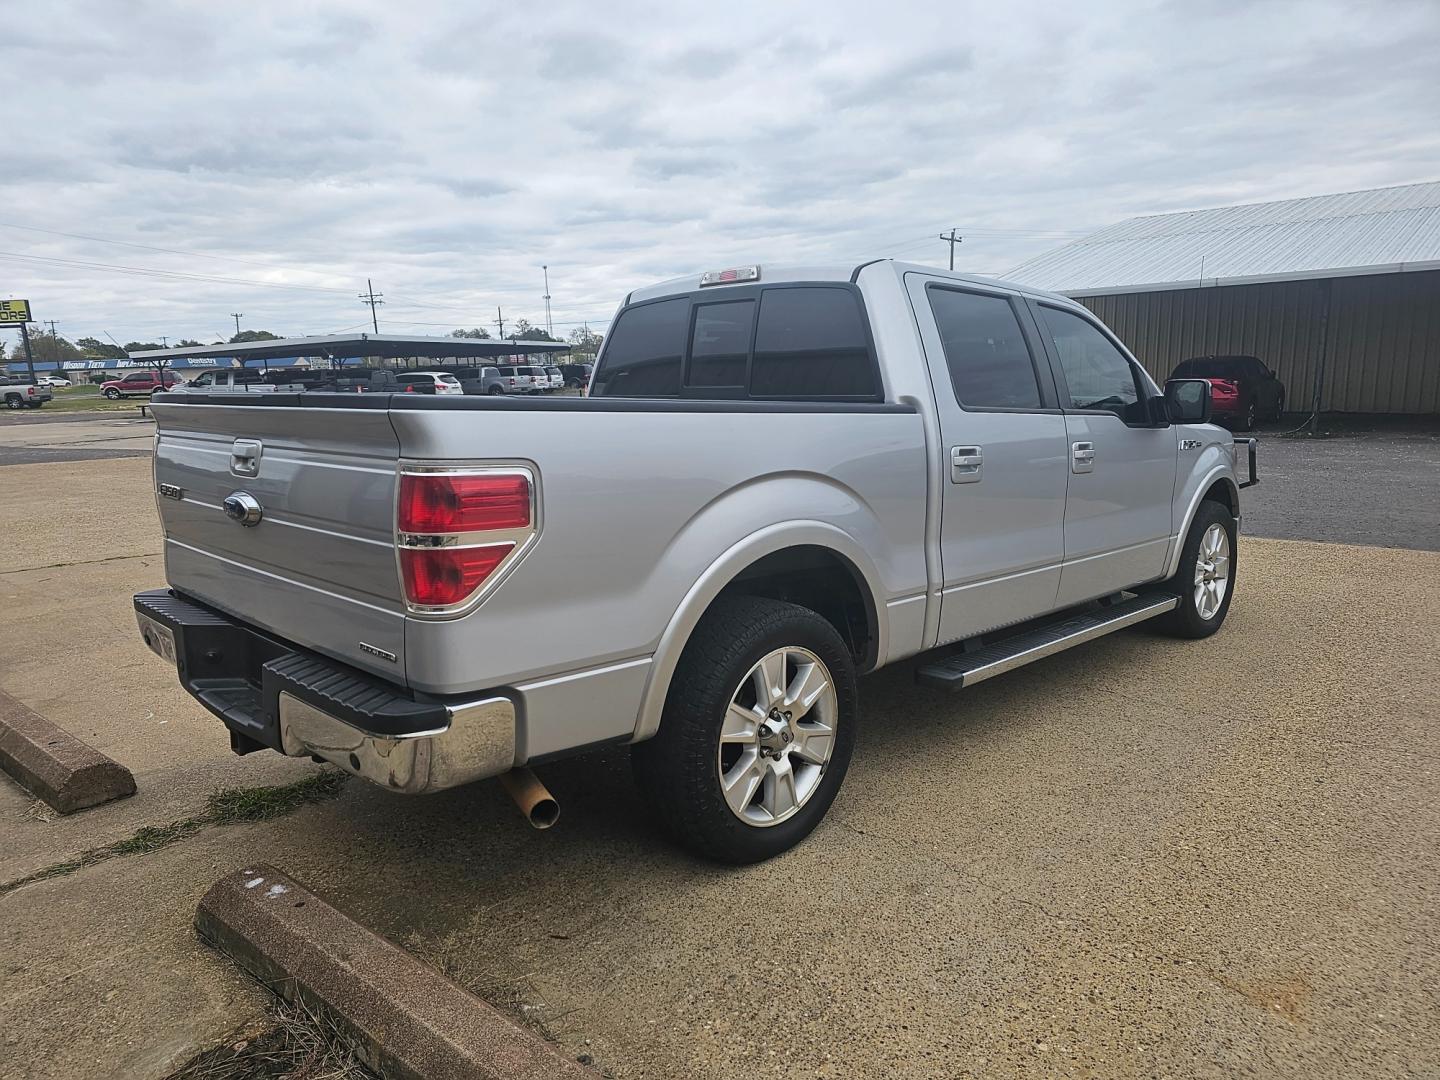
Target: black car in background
{"type": "Point", "coordinates": [577, 375]}
{"type": "Point", "coordinates": [1242, 389]}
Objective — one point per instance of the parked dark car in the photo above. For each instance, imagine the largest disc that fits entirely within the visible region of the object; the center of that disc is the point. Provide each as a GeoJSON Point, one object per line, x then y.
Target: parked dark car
{"type": "Point", "coordinates": [1242, 389]}
{"type": "Point", "coordinates": [577, 375]}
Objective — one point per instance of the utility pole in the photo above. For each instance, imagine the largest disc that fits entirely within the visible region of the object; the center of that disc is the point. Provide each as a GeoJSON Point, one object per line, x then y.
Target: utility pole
{"type": "Point", "coordinates": [549, 326]}
{"type": "Point", "coordinates": [164, 341]}
{"type": "Point", "coordinates": [51, 323]}
{"type": "Point", "coordinates": [371, 297]}
{"type": "Point", "coordinates": [952, 240]}
{"type": "Point", "coordinates": [500, 321]}
{"type": "Point", "coordinates": [237, 316]}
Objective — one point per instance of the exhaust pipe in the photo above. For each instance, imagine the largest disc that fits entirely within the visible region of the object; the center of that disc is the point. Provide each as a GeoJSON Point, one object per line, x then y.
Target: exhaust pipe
{"type": "Point", "coordinates": [531, 796]}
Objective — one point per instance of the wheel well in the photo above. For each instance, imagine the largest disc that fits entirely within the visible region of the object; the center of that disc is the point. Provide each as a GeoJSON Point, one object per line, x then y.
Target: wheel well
{"type": "Point", "coordinates": [823, 581]}
{"type": "Point", "coordinates": [1222, 493]}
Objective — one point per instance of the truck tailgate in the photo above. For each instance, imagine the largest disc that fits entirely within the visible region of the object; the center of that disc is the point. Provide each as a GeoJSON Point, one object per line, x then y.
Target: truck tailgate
{"type": "Point", "coordinates": [319, 567]}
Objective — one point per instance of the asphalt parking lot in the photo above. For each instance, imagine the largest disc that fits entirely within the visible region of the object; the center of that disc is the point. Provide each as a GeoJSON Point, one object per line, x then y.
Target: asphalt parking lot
{"type": "Point", "coordinates": [1144, 858]}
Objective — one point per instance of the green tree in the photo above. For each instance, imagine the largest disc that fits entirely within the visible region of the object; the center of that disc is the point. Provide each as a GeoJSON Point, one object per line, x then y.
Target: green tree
{"type": "Point", "coordinates": [253, 335]}
{"type": "Point", "coordinates": [50, 349]}
{"type": "Point", "coordinates": [187, 343]}
{"type": "Point", "coordinates": [142, 346]}
{"type": "Point", "coordinates": [585, 342]}
{"type": "Point", "coordinates": [524, 331]}
{"type": "Point", "coordinates": [95, 349]}
{"type": "Point", "coordinates": [478, 332]}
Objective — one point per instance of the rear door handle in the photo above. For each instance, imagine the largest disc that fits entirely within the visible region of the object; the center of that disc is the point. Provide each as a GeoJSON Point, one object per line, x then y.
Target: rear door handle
{"type": "Point", "coordinates": [965, 464]}
{"type": "Point", "coordinates": [1082, 457]}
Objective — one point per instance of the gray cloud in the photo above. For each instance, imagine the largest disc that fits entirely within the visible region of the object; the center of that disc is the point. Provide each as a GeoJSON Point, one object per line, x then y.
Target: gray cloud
{"type": "Point", "coordinates": [448, 154]}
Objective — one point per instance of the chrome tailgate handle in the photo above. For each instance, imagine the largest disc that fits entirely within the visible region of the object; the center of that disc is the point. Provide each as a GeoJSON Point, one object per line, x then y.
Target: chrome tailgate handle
{"type": "Point", "coordinates": [1082, 457]}
{"type": "Point", "coordinates": [245, 457]}
{"type": "Point", "coordinates": [965, 464]}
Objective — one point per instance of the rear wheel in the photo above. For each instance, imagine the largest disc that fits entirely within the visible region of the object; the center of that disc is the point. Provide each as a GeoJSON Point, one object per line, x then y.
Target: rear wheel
{"type": "Point", "coordinates": [1279, 406]}
{"type": "Point", "coordinates": [758, 730]}
{"type": "Point", "coordinates": [495, 390]}
{"type": "Point", "coordinates": [1205, 580]}
{"type": "Point", "coordinates": [13, 401]}
{"type": "Point", "coordinates": [1248, 422]}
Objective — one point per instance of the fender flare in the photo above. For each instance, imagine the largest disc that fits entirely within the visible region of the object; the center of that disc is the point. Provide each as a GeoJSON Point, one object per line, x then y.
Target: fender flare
{"type": "Point", "coordinates": [720, 573]}
{"type": "Point", "coordinates": [1219, 472]}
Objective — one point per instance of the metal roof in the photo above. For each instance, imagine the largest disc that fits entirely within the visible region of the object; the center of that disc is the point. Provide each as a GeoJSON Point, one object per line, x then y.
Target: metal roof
{"type": "Point", "coordinates": [1382, 231]}
{"type": "Point", "coordinates": [336, 346]}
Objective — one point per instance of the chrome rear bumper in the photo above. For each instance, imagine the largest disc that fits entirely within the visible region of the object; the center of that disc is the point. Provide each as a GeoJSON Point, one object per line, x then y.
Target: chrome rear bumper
{"type": "Point", "coordinates": [479, 742]}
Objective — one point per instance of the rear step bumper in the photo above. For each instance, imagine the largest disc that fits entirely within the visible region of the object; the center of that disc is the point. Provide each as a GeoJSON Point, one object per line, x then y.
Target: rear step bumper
{"type": "Point", "coordinates": [271, 694]}
{"type": "Point", "coordinates": [963, 669]}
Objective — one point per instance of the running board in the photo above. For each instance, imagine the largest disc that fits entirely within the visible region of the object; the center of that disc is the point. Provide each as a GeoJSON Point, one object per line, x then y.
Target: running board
{"type": "Point", "coordinates": [963, 669]}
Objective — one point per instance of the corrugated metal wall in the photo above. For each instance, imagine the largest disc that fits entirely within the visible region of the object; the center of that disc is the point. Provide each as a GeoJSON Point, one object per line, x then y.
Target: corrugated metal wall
{"type": "Point", "coordinates": [1382, 344]}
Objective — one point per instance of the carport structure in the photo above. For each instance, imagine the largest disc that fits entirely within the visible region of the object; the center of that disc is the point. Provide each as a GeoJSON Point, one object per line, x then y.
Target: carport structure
{"type": "Point", "coordinates": [342, 349]}
{"type": "Point", "coordinates": [1338, 294]}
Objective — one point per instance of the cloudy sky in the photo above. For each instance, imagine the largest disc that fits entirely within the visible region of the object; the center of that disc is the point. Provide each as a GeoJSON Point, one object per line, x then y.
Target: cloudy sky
{"type": "Point", "coordinates": [265, 158]}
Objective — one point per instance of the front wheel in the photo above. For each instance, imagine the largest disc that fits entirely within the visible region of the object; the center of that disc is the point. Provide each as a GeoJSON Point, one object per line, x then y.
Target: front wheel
{"type": "Point", "coordinates": [758, 730]}
{"type": "Point", "coordinates": [112, 394]}
{"type": "Point", "coordinates": [1205, 580]}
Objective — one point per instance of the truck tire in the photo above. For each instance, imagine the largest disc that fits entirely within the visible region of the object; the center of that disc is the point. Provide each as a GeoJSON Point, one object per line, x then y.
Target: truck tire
{"type": "Point", "coordinates": [112, 394]}
{"type": "Point", "coordinates": [14, 401]}
{"type": "Point", "coordinates": [495, 390]}
{"type": "Point", "coordinates": [757, 732]}
{"type": "Point", "coordinates": [1205, 581]}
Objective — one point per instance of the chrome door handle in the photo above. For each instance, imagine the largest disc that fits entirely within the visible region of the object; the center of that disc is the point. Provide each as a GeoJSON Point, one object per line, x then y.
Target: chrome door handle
{"type": "Point", "coordinates": [1082, 457]}
{"type": "Point", "coordinates": [965, 464]}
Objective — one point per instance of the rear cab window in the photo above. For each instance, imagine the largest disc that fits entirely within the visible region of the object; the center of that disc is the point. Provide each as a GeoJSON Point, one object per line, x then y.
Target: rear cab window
{"type": "Point", "coordinates": [800, 341]}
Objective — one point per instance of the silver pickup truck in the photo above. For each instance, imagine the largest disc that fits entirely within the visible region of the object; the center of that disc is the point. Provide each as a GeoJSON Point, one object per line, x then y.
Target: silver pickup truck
{"type": "Point", "coordinates": [18, 392]}
{"type": "Point", "coordinates": [778, 481]}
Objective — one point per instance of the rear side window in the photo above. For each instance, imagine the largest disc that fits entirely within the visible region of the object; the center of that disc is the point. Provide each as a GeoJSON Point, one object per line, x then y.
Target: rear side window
{"type": "Point", "coordinates": [811, 343]}
{"type": "Point", "coordinates": [985, 350]}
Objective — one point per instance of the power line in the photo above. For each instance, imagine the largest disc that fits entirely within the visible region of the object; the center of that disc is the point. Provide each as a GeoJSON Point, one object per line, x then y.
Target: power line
{"type": "Point", "coordinates": [145, 271]}
{"type": "Point", "coordinates": [372, 298]}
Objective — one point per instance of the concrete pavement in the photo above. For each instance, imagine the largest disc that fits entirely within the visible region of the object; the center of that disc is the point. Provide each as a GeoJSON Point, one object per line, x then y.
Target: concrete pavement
{"type": "Point", "coordinates": [1142, 858]}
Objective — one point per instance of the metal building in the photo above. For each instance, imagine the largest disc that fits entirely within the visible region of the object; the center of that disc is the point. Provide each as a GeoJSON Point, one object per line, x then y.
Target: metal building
{"type": "Point", "coordinates": [1339, 294]}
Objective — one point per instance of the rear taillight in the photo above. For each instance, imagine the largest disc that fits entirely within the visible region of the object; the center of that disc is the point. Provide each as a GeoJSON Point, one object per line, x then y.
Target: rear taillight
{"type": "Point", "coordinates": [455, 529]}
{"type": "Point", "coordinates": [444, 577]}
{"type": "Point", "coordinates": [455, 503]}
{"type": "Point", "coordinates": [1224, 386]}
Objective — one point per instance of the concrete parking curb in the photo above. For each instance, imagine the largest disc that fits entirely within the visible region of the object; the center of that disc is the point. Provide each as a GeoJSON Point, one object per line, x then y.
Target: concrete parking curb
{"type": "Point", "coordinates": [54, 765]}
{"type": "Point", "coordinates": [408, 1020]}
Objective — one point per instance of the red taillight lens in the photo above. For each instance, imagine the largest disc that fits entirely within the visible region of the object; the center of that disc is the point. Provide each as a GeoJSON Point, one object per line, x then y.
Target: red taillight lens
{"type": "Point", "coordinates": [442, 577]}
{"type": "Point", "coordinates": [446, 503]}
{"type": "Point", "coordinates": [1224, 386]}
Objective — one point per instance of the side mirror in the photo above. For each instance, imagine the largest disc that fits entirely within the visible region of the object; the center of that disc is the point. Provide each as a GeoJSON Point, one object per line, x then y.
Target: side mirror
{"type": "Point", "coordinates": [1188, 401]}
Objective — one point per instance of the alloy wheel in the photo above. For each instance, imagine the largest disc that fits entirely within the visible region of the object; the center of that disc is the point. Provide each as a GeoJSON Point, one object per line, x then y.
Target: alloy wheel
{"type": "Point", "coordinates": [777, 737]}
{"type": "Point", "coordinates": [1212, 572]}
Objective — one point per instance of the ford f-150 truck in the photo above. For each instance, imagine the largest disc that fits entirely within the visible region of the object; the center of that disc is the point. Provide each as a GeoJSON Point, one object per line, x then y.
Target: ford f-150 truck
{"type": "Point", "coordinates": [19, 392]}
{"type": "Point", "coordinates": [779, 481]}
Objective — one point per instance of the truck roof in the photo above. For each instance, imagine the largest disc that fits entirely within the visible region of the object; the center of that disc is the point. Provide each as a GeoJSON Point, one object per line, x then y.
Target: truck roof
{"type": "Point", "coordinates": [769, 274]}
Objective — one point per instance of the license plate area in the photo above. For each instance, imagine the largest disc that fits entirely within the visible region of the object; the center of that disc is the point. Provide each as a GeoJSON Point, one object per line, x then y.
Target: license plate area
{"type": "Point", "coordinates": [159, 638]}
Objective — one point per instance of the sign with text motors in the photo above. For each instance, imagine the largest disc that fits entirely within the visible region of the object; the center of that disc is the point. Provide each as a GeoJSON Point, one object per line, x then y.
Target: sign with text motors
{"type": "Point", "coordinates": [14, 312]}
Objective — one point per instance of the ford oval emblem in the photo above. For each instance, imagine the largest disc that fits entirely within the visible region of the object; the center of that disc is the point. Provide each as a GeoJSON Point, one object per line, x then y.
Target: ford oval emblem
{"type": "Point", "coordinates": [243, 507]}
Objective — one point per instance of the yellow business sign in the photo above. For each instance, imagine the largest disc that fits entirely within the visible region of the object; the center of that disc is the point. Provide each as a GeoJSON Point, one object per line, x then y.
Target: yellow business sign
{"type": "Point", "coordinates": [14, 311]}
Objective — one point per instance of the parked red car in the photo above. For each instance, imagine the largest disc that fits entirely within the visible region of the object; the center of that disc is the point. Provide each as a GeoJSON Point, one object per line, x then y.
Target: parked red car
{"type": "Point", "coordinates": [139, 383]}
{"type": "Point", "coordinates": [1242, 389]}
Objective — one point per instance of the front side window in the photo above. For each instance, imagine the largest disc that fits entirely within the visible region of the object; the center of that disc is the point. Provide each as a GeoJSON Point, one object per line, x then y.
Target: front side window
{"type": "Point", "coordinates": [205, 380]}
{"type": "Point", "coordinates": [985, 350]}
{"type": "Point", "coordinates": [1097, 374]}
